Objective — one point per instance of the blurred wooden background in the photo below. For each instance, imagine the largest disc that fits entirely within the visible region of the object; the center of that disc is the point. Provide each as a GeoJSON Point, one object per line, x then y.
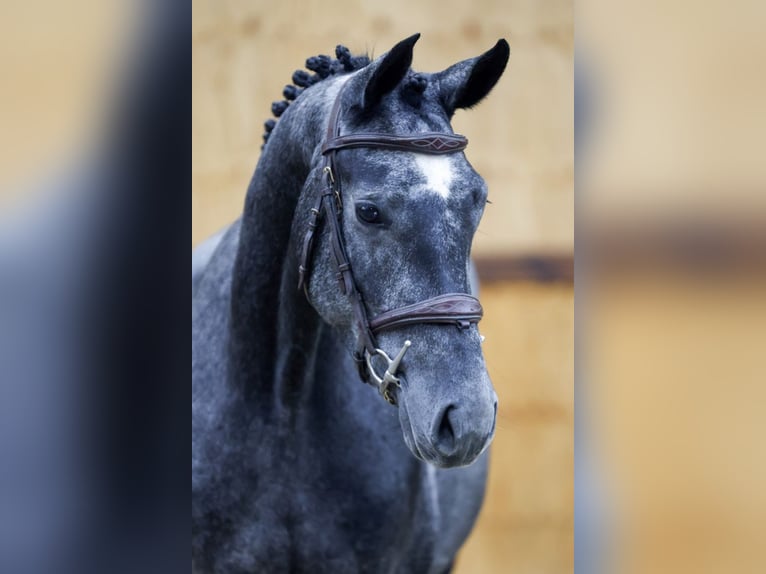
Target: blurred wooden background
{"type": "Point", "coordinates": [244, 52]}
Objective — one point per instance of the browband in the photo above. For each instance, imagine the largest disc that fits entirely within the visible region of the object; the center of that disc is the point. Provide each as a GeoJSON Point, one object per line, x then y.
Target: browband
{"type": "Point", "coordinates": [430, 143]}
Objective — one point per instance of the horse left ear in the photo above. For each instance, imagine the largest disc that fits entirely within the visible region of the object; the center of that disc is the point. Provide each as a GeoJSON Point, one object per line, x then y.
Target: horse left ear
{"type": "Point", "coordinates": [467, 83]}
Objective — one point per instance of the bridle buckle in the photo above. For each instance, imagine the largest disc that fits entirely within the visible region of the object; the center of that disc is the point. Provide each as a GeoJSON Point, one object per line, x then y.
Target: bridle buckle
{"type": "Point", "coordinates": [327, 170]}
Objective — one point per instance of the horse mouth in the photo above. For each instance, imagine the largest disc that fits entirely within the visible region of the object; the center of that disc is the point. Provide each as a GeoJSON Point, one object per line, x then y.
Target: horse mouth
{"type": "Point", "coordinates": [423, 450]}
{"type": "Point", "coordinates": [460, 458]}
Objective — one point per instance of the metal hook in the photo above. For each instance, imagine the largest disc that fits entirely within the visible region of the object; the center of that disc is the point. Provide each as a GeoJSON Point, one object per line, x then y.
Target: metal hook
{"type": "Point", "coordinates": [389, 377]}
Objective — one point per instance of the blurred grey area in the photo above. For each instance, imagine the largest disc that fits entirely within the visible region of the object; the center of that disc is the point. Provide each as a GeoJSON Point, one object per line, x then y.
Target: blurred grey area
{"type": "Point", "coordinates": [82, 309]}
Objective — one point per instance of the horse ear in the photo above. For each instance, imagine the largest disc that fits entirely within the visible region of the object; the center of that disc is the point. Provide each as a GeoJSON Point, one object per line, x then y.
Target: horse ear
{"type": "Point", "coordinates": [388, 71]}
{"type": "Point", "coordinates": [467, 83]}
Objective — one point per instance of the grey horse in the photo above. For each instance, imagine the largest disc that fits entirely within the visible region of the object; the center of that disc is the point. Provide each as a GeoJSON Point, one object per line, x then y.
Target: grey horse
{"type": "Point", "coordinates": [296, 465]}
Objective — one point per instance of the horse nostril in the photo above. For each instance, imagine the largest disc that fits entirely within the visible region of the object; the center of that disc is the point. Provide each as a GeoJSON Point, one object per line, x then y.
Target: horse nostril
{"type": "Point", "coordinates": [446, 430]}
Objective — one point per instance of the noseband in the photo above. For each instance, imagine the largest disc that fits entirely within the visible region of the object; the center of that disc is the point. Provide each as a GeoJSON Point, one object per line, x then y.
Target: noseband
{"type": "Point", "coordinates": [459, 309]}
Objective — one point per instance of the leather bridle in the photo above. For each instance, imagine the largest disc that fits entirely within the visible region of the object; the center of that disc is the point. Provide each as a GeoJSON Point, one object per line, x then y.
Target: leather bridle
{"type": "Point", "coordinates": [459, 309]}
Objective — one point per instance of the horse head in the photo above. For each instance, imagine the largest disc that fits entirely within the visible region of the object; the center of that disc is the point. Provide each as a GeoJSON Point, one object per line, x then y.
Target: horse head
{"type": "Point", "coordinates": [405, 223]}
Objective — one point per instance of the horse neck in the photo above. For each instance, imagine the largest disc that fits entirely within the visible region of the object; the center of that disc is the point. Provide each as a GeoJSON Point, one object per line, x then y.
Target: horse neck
{"type": "Point", "coordinates": [273, 330]}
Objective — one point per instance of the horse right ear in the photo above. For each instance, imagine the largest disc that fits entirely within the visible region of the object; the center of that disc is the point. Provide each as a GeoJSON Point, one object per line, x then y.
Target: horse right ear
{"type": "Point", "coordinates": [385, 73]}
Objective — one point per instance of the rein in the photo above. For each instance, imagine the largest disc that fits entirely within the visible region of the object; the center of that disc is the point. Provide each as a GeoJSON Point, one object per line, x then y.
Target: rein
{"type": "Point", "coordinates": [459, 309]}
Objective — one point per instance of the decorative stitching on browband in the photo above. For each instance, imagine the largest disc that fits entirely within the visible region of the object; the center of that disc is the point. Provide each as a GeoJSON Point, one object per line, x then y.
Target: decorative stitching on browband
{"type": "Point", "coordinates": [429, 143]}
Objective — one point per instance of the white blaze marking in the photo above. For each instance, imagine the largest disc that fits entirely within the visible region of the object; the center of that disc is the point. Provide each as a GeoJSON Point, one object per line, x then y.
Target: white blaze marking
{"type": "Point", "coordinates": [437, 169]}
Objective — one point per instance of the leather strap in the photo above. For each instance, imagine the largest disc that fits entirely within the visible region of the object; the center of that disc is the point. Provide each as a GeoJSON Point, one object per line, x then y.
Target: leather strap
{"type": "Point", "coordinates": [456, 308]}
{"type": "Point", "coordinates": [430, 143]}
{"type": "Point", "coordinates": [315, 215]}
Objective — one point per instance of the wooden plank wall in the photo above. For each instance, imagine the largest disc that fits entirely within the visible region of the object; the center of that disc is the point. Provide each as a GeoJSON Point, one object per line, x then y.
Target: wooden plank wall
{"type": "Point", "coordinates": [521, 142]}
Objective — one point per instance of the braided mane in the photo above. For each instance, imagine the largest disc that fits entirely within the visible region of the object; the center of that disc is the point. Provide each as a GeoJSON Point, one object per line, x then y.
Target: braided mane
{"type": "Point", "coordinates": [323, 67]}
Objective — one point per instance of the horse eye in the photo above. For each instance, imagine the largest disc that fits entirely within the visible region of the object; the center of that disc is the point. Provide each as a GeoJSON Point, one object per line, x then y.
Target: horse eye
{"type": "Point", "coordinates": [368, 213]}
